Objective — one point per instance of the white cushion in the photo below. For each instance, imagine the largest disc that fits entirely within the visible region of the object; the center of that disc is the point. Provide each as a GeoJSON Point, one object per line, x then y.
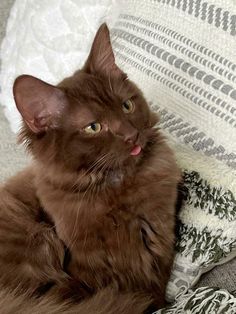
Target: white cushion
{"type": "Point", "coordinates": [182, 54]}
{"type": "Point", "coordinates": [48, 39]}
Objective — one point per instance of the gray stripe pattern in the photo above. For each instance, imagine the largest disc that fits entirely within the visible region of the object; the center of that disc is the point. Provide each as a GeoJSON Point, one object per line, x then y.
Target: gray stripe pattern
{"type": "Point", "coordinates": [183, 39]}
{"type": "Point", "coordinates": [197, 139]}
{"type": "Point", "coordinates": [210, 13]}
{"type": "Point", "coordinates": [200, 91]}
{"type": "Point", "coordinates": [178, 63]}
{"type": "Point", "coordinates": [176, 126]}
{"type": "Point", "coordinates": [180, 48]}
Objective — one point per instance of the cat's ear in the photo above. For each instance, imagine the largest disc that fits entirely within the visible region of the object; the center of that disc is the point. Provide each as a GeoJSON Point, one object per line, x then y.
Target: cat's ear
{"type": "Point", "coordinates": [101, 59]}
{"type": "Point", "coordinates": [39, 103]}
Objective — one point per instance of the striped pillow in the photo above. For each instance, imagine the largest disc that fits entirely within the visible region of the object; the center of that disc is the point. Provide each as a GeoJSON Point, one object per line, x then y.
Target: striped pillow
{"type": "Point", "coordinates": [202, 301]}
{"type": "Point", "coordinates": [182, 54]}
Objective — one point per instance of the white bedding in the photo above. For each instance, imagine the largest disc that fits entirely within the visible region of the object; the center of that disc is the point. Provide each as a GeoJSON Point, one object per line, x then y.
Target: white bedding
{"type": "Point", "coordinates": [49, 39]}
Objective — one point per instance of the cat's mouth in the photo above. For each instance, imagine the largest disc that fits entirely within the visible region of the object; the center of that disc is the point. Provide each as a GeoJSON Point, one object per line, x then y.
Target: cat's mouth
{"type": "Point", "coordinates": [136, 150]}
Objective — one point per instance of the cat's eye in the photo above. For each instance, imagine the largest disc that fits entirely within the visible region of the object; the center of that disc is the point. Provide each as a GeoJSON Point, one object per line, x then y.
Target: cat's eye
{"type": "Point", "coordinates": [128, 106]}
{"type": "Point", "coordinates": [93, 128]}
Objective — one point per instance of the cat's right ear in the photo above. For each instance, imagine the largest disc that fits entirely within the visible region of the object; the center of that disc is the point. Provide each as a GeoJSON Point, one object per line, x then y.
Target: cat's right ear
{"type": "Point", "coordinates": [40, 104]}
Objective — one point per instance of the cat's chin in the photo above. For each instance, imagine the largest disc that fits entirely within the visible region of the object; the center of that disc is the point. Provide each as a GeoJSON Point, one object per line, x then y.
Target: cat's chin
{"type": "Point", "coordinates": [115, 177]}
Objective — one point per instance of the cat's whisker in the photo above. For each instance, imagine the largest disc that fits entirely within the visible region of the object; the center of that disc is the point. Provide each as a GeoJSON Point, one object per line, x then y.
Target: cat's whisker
{"type": "Point", "coordinates": [109, 80]}
{"type": "Point", "coordinates": [95, 190]}
{"type": "Point", "coordinates": [73, 234]}
{"type": "Point", "coordinates": [73, 238]}
{"type": "Point", "coordinates": [87, 172]}
{"type": "Point", "coordinates": [100, 163]}
{"type": "Point", "coordinates": [94, 164]}
{"type": "Point", "coordinates": [106, 166]}
{"type": "Point", "coordinates": [121, 85]}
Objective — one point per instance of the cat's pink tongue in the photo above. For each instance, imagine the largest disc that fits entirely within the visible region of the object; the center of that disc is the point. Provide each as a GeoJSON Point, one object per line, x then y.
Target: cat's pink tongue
{"type": "Point", "coordinates": [136, 150]}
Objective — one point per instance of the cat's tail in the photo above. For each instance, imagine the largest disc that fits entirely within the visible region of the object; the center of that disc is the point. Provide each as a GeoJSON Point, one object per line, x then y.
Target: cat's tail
{"type": "Point", "coordinates": [104, 302]}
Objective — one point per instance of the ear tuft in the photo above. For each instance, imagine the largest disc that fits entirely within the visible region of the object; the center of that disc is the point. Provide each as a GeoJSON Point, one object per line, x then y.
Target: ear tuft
{"type": "Point", "coordinates": [101, 59]}
{"type": "Point", "coordinates": [40, 104]}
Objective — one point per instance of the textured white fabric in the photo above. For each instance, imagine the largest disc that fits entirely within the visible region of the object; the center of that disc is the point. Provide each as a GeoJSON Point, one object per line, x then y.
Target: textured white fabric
{"type": "Point", "coordinates": [48, 39]}
{"type": "Point", "coordinates": [204, 300]}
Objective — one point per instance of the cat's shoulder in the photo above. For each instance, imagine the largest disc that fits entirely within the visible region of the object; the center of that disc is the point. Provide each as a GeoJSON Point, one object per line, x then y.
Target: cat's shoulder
{"type": "Point", "coordinates": [19, 188]}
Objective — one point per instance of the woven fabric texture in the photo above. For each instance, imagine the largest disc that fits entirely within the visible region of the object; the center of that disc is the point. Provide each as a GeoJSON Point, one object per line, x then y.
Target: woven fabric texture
{"type": "Point", "coordinates": [182, 55]}
{"type": "Point", "coordinates": [205, 300]}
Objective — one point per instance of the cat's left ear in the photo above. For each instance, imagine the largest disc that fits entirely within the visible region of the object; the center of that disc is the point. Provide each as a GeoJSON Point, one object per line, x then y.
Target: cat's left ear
{"type": "Point", "coordinates": [40, 104]}
{"type": "Point", "coordinates": [101, 59]}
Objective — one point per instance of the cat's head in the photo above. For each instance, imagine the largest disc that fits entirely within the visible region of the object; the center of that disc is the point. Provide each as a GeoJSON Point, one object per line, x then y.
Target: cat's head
{"type": "Point", "coordinates": [95, 118]}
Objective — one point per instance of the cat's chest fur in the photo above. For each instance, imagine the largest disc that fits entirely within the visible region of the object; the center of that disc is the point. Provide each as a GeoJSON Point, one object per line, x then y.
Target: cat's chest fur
{"type": "Point", "coordinates": [98, 215]}
{"type": "Point", "coordinates": [123, 234]}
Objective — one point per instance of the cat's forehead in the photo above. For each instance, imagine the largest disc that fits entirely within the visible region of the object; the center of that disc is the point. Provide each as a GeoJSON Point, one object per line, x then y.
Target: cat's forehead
{"type": "Point", "coordinates": [80, 116]}
{"type": "Point", "coordinates": [94, 98]}
{"type": "Point", "coordinates": [88, 87]}
{"type": "Point", "coordinates": [88, 107]}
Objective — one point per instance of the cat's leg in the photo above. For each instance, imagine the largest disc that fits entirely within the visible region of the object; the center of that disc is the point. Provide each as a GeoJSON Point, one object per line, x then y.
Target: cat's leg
{"type": "Point", "coordinates": [31, 254]}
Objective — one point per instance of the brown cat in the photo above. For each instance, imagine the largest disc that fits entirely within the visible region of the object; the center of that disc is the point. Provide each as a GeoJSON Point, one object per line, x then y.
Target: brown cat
{"type": "Point", "coordinates": [105, 178]}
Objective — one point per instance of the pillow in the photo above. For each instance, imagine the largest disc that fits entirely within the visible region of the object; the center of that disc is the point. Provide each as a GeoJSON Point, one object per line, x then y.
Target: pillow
{"type": "Point", "coordinates": [201, 301]}
{"type": "Point", "coordinates": [48, 39]}
{"type": "Point", "coordinates": [182, 55]}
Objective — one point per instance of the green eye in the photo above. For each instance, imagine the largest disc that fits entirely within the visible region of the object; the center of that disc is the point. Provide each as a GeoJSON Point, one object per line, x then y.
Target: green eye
{"type": "Point", "coordinates": [128, 106]}
{"type": "Point", "coordinates": [93, 128]}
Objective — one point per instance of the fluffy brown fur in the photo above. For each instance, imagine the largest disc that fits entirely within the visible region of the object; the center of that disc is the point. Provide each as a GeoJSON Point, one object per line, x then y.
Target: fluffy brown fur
{"type": "Point", "coordinates": [104, 302]}
{"type": "Point", "coordinates": [105, 178]}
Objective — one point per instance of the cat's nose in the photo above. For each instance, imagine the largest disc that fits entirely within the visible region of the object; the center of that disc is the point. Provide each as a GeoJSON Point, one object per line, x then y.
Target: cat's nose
{"type": "Point", "coordinates": [125, 130]}
{"type": "Point", "coordinates": [131, 136]}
